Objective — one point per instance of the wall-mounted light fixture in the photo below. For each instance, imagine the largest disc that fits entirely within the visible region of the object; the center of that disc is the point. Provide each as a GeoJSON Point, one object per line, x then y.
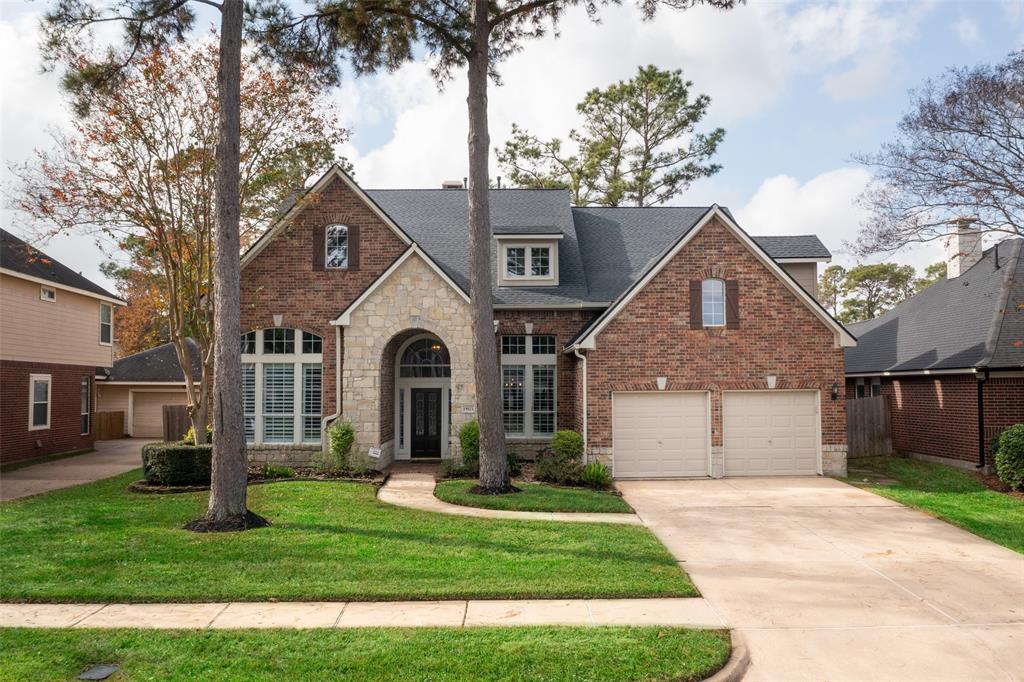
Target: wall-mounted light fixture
{"type": "Point", "coordinates": [835, 391]}
{"type": "Point", "coordinates": [662, 383]}
{"type": "Point", "coordinates": [771, 379]}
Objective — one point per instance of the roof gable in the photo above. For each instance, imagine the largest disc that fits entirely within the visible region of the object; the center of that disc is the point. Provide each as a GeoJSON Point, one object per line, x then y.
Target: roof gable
{"type": "Point", "coordinates": [587, 339]}
{"type": "Point", "coordinates": [18, 258]}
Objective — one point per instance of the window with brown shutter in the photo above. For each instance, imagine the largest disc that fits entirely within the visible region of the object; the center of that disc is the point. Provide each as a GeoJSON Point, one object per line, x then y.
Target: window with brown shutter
{"type": "Point", "coordinates": [318, 247]}
{"type": "Point", "coordinates": [353, 247]}
{"type": "Point", "coordinates": [696, 321]}
{"type": "Point", "coordinates": [732, 304]}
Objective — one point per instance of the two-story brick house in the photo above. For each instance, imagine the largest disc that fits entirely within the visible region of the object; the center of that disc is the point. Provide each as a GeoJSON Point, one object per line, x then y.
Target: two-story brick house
{"type": "Point", "coordinates": [56, 336]}
{"type": "Point", "coordinates": [676, 344]}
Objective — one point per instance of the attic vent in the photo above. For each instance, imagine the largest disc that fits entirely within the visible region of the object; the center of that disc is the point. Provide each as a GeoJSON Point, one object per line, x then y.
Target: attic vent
{"type": "Point", "coordinates": [451, 184]}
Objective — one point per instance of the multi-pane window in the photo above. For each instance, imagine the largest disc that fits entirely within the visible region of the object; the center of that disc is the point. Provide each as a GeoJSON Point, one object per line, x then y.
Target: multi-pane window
{"type": "Point", "coordinates": [106, 323]}
{"type": "Point", "coordinates": [515, 261]}
{"type": "Point", "coordinates": [249, 343]}
{"type": "Point", "coordinates": [529, 387]}
{"type": "Point", "coordinates": [712, 296]}
{"type": "Point", "coordinates": [279, 341]}
{"type": "Point", "coordinates": [282, 386]}
{"type": "Point", "coordinates": [540, 261]}
{"type": "Point", "coordinates": [425, 358]}
{"type": "Point", "coordinates": [312, 399]}
{"type": "Point", "coordinates": [86, 400]}
{"type": "Point", "coordinates": [336, 244]}
{"type": "Point", "coordinates": [39, 401]}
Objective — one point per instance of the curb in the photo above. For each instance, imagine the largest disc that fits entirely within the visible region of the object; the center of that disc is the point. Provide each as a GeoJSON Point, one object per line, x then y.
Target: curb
{"type": "Point", "coordinates": [736, 667]}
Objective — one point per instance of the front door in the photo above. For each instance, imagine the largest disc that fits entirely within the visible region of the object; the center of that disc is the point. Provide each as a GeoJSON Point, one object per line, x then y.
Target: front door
{"type": "Point", "coordinates": [426, 422]}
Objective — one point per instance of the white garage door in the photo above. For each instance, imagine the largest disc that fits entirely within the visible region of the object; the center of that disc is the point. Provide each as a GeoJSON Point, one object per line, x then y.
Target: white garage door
{"type": "Point", "coordinates": [148, 413]}
{"type": "Point", "coordinates": [770, 433]}
{"type": "Point", "coordinates": [662, 434]}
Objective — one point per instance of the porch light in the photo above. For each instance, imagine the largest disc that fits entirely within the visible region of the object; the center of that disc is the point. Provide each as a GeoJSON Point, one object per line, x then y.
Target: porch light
{"type": "Point", "coordinates": [771, 379]}
{"type": "Point", "coordinates": [835, 391]}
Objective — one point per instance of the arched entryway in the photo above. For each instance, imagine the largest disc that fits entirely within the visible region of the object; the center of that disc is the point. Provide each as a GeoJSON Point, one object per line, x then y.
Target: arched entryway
{"type": "Point", "coordinates": [420, 415]}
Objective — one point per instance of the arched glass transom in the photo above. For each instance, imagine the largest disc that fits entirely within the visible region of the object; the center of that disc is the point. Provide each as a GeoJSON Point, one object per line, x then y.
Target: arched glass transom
{"type": "Point", "coordinates": [425, 358]}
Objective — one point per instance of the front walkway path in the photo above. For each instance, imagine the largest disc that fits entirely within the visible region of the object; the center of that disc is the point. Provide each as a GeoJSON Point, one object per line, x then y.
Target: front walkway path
{"type": "Point", "coordinates": [692, 613]}
{"type": "Point", "coordinates": [416, 491]}
{"type": "Point", "coordinates": [110, 458]}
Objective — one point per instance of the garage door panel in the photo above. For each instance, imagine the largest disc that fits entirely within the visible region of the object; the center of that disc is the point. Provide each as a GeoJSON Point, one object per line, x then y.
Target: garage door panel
{"type": "Point", "coordinates": [659, 434]}
{"type": "Point", "coordinates": [147, 411]}
{"type": "Point", "coordinates": [768, 433]}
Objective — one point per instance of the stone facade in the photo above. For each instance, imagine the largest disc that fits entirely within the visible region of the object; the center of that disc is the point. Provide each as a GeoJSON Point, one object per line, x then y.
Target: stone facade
{"type": "Point", "coordinates": [777, 334]}
{"type": "Point", "coordinates": [287, 455]}
{"type": "Point", "coordinates": [413, 297]}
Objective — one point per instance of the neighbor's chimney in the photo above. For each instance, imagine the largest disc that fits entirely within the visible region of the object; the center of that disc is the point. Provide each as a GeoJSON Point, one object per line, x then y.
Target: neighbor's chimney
{"type": "Point", "coordinates": [963, 247]}
{"type": "Point", "coordinates": [451, 184]}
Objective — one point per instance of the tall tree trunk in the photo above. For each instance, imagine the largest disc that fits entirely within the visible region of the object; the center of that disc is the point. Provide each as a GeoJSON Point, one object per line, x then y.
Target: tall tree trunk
{"type": "Point", "coordinates": [227, 510]}
{"type": "Point", "coordinates": [493, 466]}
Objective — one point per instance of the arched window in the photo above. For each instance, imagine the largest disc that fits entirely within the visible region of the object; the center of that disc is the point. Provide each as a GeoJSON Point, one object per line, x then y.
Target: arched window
{"type": "Point", "coordinates": [336, 245]}
{"type": "Point", "coordinates": [425, 358]}
{"type": "Point", "coordinates": [712, 296]}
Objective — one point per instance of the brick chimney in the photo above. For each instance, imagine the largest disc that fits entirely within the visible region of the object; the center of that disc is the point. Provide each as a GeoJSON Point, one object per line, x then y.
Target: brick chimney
{"type": "Point", "coordinates": [963, 247]}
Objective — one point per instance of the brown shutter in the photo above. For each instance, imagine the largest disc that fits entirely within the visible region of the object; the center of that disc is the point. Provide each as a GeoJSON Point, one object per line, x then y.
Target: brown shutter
{"type": "Point", "coordinates": [318, 247]}
{"type": "Point", "coordinates": [696, 317]}
{"type": "Point", "coordinates": [732, 304]}
{"type": "Point", "coordinates": [353, 247]}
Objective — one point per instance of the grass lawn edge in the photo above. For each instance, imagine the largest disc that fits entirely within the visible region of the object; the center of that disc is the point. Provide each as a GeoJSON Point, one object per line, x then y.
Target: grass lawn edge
{"type": "Point", "coordinates": [534, 497]}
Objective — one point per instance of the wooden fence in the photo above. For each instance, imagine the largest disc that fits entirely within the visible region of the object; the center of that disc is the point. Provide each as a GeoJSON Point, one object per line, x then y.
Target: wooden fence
{"type": "Point", "coordinates": [176, 422]}
{"type": "Point", "coordinates": [109, 425]}
{"type": "Point", "coordinates": [867, 427]}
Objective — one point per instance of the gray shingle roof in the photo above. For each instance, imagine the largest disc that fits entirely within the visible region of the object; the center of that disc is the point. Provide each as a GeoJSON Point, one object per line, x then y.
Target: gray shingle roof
{"type": "Point", "coordinates": [974, 320]}
{"type": "Point", "coordinates": [602, 251]}
{"type": "Point", "coordinates": [21, 257]}
{"type": "Point", "coordinates": [156, 364]}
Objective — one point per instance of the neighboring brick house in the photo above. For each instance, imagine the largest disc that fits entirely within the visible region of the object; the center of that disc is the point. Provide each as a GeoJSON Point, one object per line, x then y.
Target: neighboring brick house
{"type": "Point", "coordinates": [674, 342]}
{"type": "Point", "coordinates": [56, 339]}
{"type": "Point", "coordinates": [952, 357]}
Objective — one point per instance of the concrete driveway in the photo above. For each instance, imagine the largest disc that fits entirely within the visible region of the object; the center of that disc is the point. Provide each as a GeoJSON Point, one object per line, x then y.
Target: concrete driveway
{"type": "Point", "coordinates": [111, 457]}
{"type": "Point", "coordinates": [829, 582]}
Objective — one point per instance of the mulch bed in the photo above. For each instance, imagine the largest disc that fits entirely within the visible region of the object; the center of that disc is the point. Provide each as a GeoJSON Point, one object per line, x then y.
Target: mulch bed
{"type": "Point", "coordinates": [256, 477]}
{"type": "Point", "coordinates": [992, 482]}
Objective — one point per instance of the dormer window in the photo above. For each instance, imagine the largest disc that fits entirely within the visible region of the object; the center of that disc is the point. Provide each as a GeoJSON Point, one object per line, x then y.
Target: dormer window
{"type": "Point", "coordinates": [528, 263]}
{"type": "Point", "coordinates": [336, 247]}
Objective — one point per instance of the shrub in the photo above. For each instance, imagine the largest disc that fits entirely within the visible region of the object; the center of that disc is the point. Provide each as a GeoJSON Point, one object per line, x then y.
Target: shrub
{"type": "Point", "coordinates": [552, 468]}
{"type": "Point", "coordinates": [568, 445]}
{"type": "Point", "coordinates": [514, 467]}
{"type": "Point", "coordinates": [469, 443]}
{"type": "Point", "coordinates": [1010, 457]}
{"type": "Point", "coordinates": [341, 436]}
{"type": "Point", "coordinates": [190, 436]}
{"type": "Point", "coordinates": [176, 464]}
{"type": "Point", "coordinates": [449, 469]}
{"type": "Point", "coordinates": [596, 475]}
{"type": "Point", "coordinates": [270, 470]}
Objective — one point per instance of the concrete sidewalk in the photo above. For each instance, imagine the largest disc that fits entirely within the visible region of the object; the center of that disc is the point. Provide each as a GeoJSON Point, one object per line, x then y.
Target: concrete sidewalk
{"type": "Point", "coordinates": [415, 490]}
{"type": "Point", "coordinates": [692, 613]}
{"type": "Point", "coordinates": [111, 457]}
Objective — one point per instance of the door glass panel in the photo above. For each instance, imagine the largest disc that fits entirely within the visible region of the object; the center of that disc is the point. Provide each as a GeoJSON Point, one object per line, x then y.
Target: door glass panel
{"type": "Point", "coordinates": [419, 414]}
{"type": "Point", "coordinates": [432, 414]}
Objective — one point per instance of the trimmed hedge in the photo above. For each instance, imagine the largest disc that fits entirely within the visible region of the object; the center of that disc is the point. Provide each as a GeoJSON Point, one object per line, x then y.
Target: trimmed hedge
{"type": "Point", "coordinates": [1010, 457]}
{"type": "Point", "coordinates": [176, 464]}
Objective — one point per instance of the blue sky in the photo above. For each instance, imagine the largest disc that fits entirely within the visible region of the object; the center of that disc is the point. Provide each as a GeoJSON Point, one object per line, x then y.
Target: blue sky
{"type": "Point", "coordinates": [799, 86]}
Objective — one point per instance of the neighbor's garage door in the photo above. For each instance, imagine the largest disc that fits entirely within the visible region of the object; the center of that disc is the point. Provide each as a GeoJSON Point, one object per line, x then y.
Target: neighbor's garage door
{"type": "Point", "coordinates": [660, 434]}
{"type": "Point", "coordinates": [148, 414]}
{"type": "Point", "coordinates": [770, 433]}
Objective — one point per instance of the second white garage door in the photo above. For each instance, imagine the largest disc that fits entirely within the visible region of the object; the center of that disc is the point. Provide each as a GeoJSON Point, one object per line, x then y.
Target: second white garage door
{"type": "Point", "coordinates": [148, 414]}
{"type": "Point", "coordinates": [660, 435]}
{"type": "Point", "coordinates": [770, 433]}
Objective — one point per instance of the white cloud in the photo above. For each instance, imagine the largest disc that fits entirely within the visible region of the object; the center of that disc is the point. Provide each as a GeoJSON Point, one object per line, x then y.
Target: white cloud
{"type": "Point", "coordinates": [826, 206]}
{"type": "Point", "coordinates": [967, 31]}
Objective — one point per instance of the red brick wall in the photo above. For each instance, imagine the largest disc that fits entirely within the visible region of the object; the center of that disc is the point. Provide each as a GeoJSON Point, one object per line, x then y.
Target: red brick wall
{"type": "Point", "coordinates": [64, 434]}
{"type": "Point", "coordinates": [938, 415]}
{"type": "Point", "coordinates": [778, 334]}
{"type": "Point", "coordinates": [564, 324]}
{"type": "Point", "coordinates": [281, 279]}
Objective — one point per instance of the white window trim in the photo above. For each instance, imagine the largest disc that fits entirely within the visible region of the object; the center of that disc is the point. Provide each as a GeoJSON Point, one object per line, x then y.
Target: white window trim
{"type": "Point", "coordinates": [88, 413]}
{"type": "Point", "coordinates": [725, 307]}
{"type": "Point", "coordinates": [102, 306]}
{"type": "Point", "coordinates": [529, 360]}
{"type": "Point", "coordinates": [297, 360]}
{"type": "Point", "coordinates": [32, 379]}
{"type": "Point", "coordinates": [508, 280]}
{"type": "Point", "coordinates": [52, 298]}
{"type": "Point", "coordinates": [327, 247]}
{"type": "Point", "coordinates": [403, 392]}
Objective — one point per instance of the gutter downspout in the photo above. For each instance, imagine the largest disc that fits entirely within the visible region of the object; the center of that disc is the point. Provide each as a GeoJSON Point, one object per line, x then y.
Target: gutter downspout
{"type": "Point", "coordinates": [982, 378]}
{"type": "Point", "coordinates": [583, 358]}
{"type": "Point", "coordinates": [337, 390]}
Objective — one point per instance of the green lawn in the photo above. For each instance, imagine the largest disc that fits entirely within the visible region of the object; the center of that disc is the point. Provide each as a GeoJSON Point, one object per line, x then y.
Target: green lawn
{"type": "Point", "coordinates": [329, 541]}
{"type": "Point", "coordinates": [520, 653]}
{"type": "Point", "coordinates": [947, 493]}
{"type": "Point", "coordinates": [533, 497]}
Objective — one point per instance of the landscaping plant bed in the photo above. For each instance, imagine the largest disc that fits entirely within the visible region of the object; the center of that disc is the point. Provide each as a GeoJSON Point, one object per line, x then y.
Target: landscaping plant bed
{"type": "Point", "coordinates": [533, 496]}
{"type": "Point", "coordinates": [257, 477]}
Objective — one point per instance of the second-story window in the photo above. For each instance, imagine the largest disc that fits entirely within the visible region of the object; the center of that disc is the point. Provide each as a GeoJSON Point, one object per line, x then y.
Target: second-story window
{"type": "Point", "coordinates": [106, 323]}
{"type": "Point", "coordinates": [336, 245]}
{"type": "Point", "coordinates": [713, 302]}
